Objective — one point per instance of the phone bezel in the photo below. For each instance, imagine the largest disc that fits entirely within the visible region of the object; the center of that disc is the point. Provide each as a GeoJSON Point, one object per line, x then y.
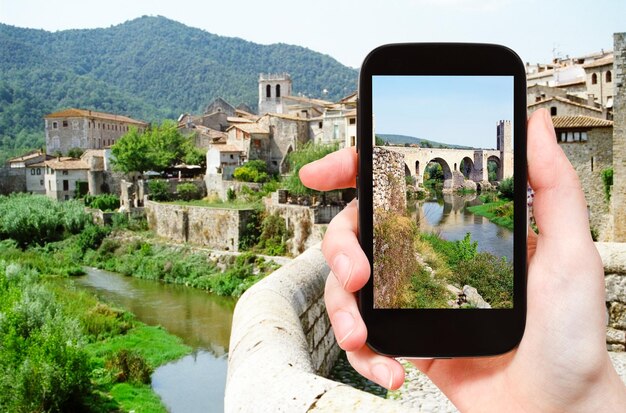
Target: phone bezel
{"type": "Point", "coordinates": [443, 332]}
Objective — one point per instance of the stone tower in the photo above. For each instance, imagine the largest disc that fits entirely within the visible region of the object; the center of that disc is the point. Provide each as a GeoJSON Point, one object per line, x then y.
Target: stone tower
{"type": "Point", "coordinates": [618, 193]}
{"type": "Point", "coordinates": [272, 87]}
{"type": "Point", "coordinates": [504, 135]}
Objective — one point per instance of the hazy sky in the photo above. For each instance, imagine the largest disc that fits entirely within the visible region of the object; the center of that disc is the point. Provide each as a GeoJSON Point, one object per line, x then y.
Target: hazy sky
{"type": "Point", "coordinates": [348, 29]}
{"type": "Point", "coordinates": [461, 110]}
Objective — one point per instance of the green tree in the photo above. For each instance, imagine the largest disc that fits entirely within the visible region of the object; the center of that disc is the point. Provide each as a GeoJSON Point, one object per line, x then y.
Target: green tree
{"type": "Point", "coordinates": [252, 171]}
{"type": "Point", "coordinates": [130, 153]}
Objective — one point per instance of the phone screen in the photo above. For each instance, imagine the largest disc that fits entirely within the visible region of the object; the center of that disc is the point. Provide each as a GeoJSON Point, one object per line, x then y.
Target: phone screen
{"type": "Point", "coordinates": [442, 190]}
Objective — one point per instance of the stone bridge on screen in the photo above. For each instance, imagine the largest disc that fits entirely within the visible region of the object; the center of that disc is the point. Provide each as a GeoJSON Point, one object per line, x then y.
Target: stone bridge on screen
{"type": "Point", "coordinates": [472, 163]}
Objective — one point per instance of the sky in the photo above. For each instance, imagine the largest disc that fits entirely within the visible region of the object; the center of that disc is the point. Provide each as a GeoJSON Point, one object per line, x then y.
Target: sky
{"type": "Point", "coordinates": [460, 110]}
{"type": "Point", "coordinates": [347, 30]}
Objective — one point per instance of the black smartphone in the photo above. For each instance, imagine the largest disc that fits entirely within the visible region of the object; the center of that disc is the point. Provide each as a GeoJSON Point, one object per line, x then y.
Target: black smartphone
{"type": "Point", "coordinates": [442, 192]}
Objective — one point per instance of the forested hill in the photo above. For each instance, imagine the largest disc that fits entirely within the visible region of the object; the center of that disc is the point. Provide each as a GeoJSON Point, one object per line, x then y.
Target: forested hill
{"type": "Point", "coordinates": [150, 68]}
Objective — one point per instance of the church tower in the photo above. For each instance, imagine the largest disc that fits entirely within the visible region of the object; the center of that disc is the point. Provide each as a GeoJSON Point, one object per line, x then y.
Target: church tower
{"type": "Point", "coordinates": [272, 87]}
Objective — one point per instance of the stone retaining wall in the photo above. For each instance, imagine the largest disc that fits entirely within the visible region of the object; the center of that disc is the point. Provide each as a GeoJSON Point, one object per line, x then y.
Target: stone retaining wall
{"type": "Point", "coordinates": [281, 346]}
{"type": "Point", "coordinates": [389, 183]}
{"type": "Point", "coordinates": [218, 228]}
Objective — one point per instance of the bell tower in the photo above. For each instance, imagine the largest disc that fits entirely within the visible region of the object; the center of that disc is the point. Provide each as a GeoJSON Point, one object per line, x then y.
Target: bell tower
{"type": "Point", "coordinates": [272, 87]}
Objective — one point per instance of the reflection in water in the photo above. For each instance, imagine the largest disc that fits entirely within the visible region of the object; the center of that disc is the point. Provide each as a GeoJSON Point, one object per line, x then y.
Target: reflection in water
{"type": "Point", "coordinates": [446, 215]}
{"type": "Point", "coordinates": [201, 319]}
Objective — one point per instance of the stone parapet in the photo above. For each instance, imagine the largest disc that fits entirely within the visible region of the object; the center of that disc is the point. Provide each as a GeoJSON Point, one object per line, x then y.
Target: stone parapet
{"type": "Point", "coordinates": [281, 346]}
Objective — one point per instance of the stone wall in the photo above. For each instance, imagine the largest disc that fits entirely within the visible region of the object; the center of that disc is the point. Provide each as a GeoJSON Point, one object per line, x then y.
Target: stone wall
{"type": "Point", "coordinates": [389, 184]}
{"type": "Point", "coordinates": [217, 186]}
{"type": "Point", "coordinates": [619, 138]}
{"type": "Point", "coordinates": [217, 228]}
{"type": "Point", "coordinates": [12, 180]}
{"type": "Point", "coordinates": [590, 159]}
{"type": "Point", "coordinates": [614, 260]}
{"type": "Point", "coordinates": [281, 346]}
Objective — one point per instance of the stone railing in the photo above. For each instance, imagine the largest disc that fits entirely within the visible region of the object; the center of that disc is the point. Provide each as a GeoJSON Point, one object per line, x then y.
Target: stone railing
{"type": "Point", "coordinates": [614, 260]}
{"type": "Point", "coordinates": [281, 346]}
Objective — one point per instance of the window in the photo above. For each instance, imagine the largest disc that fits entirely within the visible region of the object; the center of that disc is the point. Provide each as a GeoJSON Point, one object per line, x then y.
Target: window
{"type": "Point", "coordinates": [38, 171]}
{"type": "Point", "coordinates": [352, 141]}
{"type": "Point", "coordinates": [67, 197]}
{"type": "Point", "coordinates": [55, 125]}
{"type": "Point", "coordinates": [32, 172]}
{"type": "Point", "coordinates": [232, 156]}
{"type": "Point", "coordinates": [268, 91]}
{"type": "Point", "coordinates": [65, 124]}
{"type": "Point", "coordinates": [563, 136]}
{"type": "Point", "coordinates": [277, 91]}
{"type": "Point", "coordinates": [583, 136]}
{"type": "Point", "coordinates": [41, 182]}
{"type": "Point", "coordinates": [553, 111]}
{"type": "Point", "coordinates": [66, 185]}
{"type": "Point", "coordinates": [50, 185]}
{"type": "Point", "coordinates": [608, 77]}
{"type": "Point", "coordinates": [319, 125]}
{"type": "Point", "coordinates": [66, 172]}
{"type": "Point", "coordinates": [352, 121]}
{"type": "Point", "coordinates": [592, 164]}
{"type": "Point", "coordinates": [594, 79]}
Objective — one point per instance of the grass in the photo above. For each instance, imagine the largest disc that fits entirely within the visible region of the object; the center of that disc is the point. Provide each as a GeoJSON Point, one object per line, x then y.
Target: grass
{"type": "Point", "coordinates": [499, 212]}
{"type": "Point", "coordinates": [217, 204]}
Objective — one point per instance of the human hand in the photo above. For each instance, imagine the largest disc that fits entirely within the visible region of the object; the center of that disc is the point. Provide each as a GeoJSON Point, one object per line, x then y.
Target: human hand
{"type": "Point", "coordinates": [561, 363]}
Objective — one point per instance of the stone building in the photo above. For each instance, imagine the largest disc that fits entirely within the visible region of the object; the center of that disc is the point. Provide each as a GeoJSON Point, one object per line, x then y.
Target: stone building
{"type": "Point", "coordinates": [219, 105]}
{"type": "Point", "coordinates": [287, 133]}
{"type": "Point", "coordinates": [252, 139]}
{"type": "Point", "coordinates": [599, 80]}
{"type": "Point", "coordinates": [85, 129]}
{"type": "Point", "coordinates": [30, 169]}
{"type": "Point", "coordinates": [223, 159]}
{"type": "Point", "coordinates": [65, 177]}
{"type": "Point", "coordinates": [618, 196]}
{"type": "Point", "coordinates": [564, 106]}
{"type": "Point", "coordinates": [272, 88]}
{"type": "Point", "coordinates": [588, 144]}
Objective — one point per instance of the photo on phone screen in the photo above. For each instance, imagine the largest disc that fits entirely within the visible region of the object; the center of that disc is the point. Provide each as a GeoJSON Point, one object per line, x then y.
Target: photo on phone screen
{"type": "Point", "coordinates": [442, 192]}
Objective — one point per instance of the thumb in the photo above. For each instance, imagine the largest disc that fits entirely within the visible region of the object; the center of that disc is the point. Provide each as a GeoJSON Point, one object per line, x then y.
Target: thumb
{"type": "Point", "coordinates": [559, 205]}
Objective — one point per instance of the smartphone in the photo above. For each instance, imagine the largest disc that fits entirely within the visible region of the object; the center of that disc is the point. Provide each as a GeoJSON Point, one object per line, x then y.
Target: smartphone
{"type": "Point", "coordinates": [442, 191]}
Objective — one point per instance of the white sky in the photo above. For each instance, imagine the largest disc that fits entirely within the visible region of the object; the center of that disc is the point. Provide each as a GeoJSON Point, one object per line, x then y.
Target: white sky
{"type": "Point", "coordinates": [348, 29]}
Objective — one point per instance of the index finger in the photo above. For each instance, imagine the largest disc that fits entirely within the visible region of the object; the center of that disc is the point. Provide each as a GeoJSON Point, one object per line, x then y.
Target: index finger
{"type": "Point", "coordinates": [334, 171]}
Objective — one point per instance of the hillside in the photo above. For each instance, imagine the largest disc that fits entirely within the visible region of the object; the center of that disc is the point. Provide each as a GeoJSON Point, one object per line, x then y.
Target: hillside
{"type": "Point", "coordinates": [411, 140]}
{"type": "Point", "coordinates": [149, 68]}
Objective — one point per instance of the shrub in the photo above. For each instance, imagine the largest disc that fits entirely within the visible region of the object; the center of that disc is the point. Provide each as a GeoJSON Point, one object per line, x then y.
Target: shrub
{"type": "Point", "coordinates": [506, 188]}
{"type": "Point", "coordinates": [490, 275]}
{"type": "Point", "coordinates": [92, 237]}
{"type": "Point", "coordinates": [607, 181]}
{"type": "Point", "coordinates": [231, 194]}
{"type": "Point", "coordinates": [188, 191]}
{"type": "Point", "coordinates": [105, 202]}
{"type": "Point", "coordinates": [274, 234]}
{"type": "Point", "coordinates": [252, 171]}
{"type": "Point", "coordinates": [159, 190]}
{"type": "Point", "coordinates": [129, 366]}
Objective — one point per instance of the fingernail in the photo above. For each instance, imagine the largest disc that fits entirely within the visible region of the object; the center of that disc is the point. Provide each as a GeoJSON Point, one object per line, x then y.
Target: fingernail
{"type": "Point", "coordinates": [342, 268]}
{"type": "Point", "coordinates": [343, 321]}
{"type": "Point", "coordinates": [382, 374]}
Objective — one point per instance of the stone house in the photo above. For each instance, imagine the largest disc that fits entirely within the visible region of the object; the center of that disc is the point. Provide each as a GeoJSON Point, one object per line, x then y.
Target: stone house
{"type": "Point", "coordinates": [599, 80]}
{"type": "Point", "coordinates": [219, 105]}
{"type": "Point", "coordinates": [85, 129]}
{"type": "Point", "coordinates": [223, 159]}
{"type": "Point", "coordinates": [567, 106]}
{"type": "Point", "coordinates": [287, 133]}
{"type": "Point", "coordinates": [252, 139]}
{"type": "Point", "coordinates": [26, 172]}
{"type": "Point", "coordinates": [588, 144]}
{"type": "Point", "coordinates": [65, 176]}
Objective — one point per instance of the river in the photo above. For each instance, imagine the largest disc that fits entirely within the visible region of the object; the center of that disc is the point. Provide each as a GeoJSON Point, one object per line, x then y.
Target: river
{"type": "Point", "coordinates": [446, 214]}
{"type": "Point", "coordinates": [196, 382]}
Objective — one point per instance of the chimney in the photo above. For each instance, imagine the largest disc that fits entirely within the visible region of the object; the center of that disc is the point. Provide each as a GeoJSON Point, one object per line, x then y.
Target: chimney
{"type": "Point", "coordinates": [591, 101]}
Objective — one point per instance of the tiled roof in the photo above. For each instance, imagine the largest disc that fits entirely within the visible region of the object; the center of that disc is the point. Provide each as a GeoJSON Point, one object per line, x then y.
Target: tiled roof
{"type": "Point", "coordinates": [251, 128]}
{"type": "Point", "coordinates": [236, 119]}
{"type": "Point", "coordinates": [580, 121]}
{"type": "Point", "coordinates": [66, 163]}
{"type": "Point", "coordinates": [307, 100]}
{"type": "Point", "coordinates": [226, 148]}
{"type": "Point", "coordinates": [567, 101]}
{"type": "Point", "coordinates": [25, 157]}
{"type": "Point", "coordinates": [608, 60]}
{"type": "Point", "coordinates": [571, 82]}
{"type": "Point", "coordinates": [92, 114]}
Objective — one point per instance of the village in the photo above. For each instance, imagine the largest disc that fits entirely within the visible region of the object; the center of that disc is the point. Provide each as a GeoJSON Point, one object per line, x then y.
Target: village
{"type": "Point", "coordinates": [211, 207]}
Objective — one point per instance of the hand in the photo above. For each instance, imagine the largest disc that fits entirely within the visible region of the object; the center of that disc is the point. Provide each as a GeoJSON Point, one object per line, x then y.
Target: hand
{"type": "Point", "coordinates": [561, 363]}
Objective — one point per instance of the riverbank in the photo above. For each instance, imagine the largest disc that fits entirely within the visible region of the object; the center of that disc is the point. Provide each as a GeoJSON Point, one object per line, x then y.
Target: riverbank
{"type": "Point", "coordinates": [94, 356]}
{"type": "Point", "coordinates": [499, 212]}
